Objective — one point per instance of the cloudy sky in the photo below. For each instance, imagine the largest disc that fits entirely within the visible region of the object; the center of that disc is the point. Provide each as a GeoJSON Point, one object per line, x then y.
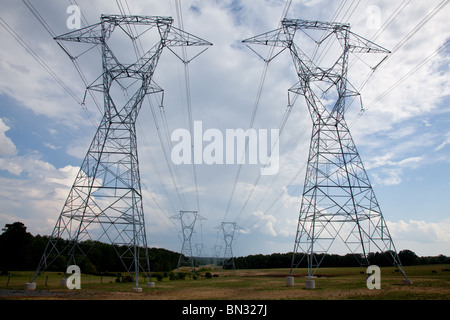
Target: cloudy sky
{"type": "Point", "coordinates": [403, 136]}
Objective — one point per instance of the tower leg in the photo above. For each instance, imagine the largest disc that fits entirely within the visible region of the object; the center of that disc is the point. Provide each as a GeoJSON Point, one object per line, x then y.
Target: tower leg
{"type": "Point", "coordinates": [104, 203]}
{"type": "Point", "coordinates": [338, 202]}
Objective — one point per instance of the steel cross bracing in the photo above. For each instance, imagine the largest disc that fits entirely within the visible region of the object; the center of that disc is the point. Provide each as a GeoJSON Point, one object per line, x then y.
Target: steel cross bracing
{"type": "Point", "coordinates": [338, 200]}
{"type": "Point", "coordinates": [105, 201]}
{"type": "Point", "coordinates": [217, 249]}
{"type": "Point", "coordinates": [187, 220]}
{"type": "Point", "coordinates": [228, 229]}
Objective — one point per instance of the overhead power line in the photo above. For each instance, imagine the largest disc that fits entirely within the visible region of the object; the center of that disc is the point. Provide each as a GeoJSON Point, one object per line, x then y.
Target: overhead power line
{"type": "Point", "coordinates": [420, 25]}
{"type": "Point", "coordinates": [403, 79]}
{"type": "Point", "coordinates": [254, 112]}
{"type": "Point", "coordinates": [50, 31]}
{"type": "Point", "coordinates": [400, 44]}
{"type": "Point", "coordinates": [46, 67]}
{"type": "Point", "coordinates": [188, 97]}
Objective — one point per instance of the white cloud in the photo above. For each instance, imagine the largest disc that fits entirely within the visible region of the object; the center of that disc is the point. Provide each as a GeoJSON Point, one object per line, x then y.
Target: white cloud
{"type": "Point", "coordinates": [421, 93]}
{"type": "Point", "coordinates": [445, 143]}
{"type": "Point", "coordinates": [265, 222]}
{"type": "Point", "coordinates": [7, 147]}
{"type": "Point", "coordinates": [410, 162]}
{"type": "Point", "coordinates": [38, 198]}
{"type": "Point", "coordinates": [389, 171]}
{"type": "Point", "coordinates": [388, 177]}
{"type": "Point", "coordinates": [224, 82]}
{"type": "Point", "coordinates": [422, 237]}
{"type": "Point", "coordinates": [51, 146]}
{"type": "Point", "coordinates": [30, 164]}
{"type": "Point", "coordinates": [422, 230]}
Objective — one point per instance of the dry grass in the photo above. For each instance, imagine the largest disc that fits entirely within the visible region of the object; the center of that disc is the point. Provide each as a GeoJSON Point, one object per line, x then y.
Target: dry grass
{"type": "Point", "coordinates": [333, 284]}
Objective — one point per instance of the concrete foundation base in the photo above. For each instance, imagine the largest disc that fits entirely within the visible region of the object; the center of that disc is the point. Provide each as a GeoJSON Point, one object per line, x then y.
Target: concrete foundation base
{"type": "Point", "coordinates": [137, 289]}
{"type": "Point", "coordinates": [289, 281]}
{"type": "Point", "coordinates": [407, 281]}
{"type": "Point", "coordinates": [310, 284]}
{"type": "Point", "coordinates": [151, 284]}
{"type": "Point", "coordinates": [30, 286]}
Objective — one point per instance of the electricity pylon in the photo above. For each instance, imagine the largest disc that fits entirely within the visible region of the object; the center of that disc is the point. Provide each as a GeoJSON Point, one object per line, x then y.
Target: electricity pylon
{"type": "Point", "coordinates": [105, 201]}
{"type": "Point", "coordinates": [228, 230]}
{"type": "Point", "coordinates": [187, 220]}
{"type": "Point", "coordinates": [338, 200]}
{"type": "Point", "coordinates": [217, 249]}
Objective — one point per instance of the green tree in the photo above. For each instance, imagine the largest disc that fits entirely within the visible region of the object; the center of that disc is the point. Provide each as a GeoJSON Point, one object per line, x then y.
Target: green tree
{"type": "Point", "coordinates": [16, 247]}
{"type": "Point", "coordinates": [408, 258]}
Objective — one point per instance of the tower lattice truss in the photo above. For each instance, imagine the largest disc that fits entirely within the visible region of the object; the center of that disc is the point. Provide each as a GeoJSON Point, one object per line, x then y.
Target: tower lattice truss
{"type": "Point", "coordinates": [105, 201]}
{"type": "Point", "coordinates": [228, 229]}
{"type": "Point", "coordinates": [188, 220]}
{"type": "Point", "coordinates": [338, 201]}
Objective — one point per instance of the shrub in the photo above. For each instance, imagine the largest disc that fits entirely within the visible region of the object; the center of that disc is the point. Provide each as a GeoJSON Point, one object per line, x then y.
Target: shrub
{"type": "Point", "coordinates": [158, 277]}
{"type": "Point", "coordinates": [172, 276]}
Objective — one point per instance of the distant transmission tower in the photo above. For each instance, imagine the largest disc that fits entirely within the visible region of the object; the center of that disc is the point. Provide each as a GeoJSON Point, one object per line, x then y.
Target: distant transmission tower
{"type": "Point", "coordinates": [105, 202]}
{"type": "Point", "coordinates": [338, 200]}
{"type": "Point", "coordinates": [187, 220]}
{"type": "Point", "coordinates": [228, 230]}
{"type": "Point", "coordinates": [217, 249]}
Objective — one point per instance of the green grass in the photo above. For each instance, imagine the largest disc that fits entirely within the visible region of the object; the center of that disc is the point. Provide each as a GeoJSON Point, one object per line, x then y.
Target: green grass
{"type": "Point", "coordinates": [429, 282]}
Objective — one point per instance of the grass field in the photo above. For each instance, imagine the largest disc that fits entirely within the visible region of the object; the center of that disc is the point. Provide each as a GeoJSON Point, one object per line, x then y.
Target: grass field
{"type": "Point", "coordinates": [431, 282]}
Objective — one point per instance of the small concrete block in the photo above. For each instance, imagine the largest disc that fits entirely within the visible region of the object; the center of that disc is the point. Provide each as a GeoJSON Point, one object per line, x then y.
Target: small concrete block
{"type": "Point", "coordinates": [30, 286]}
{"type": "Point", "coordinates": [310, 284]}
{"type": "Point", "coordinates": [289, 281]}
{"type": "Point", "coordinates": [407, 281]}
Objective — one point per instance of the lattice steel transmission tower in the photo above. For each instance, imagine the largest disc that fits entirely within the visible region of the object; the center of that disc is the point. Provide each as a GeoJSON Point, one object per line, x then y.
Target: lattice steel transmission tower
{"type": "Point", "coordinates": [217, 250]}
{"type": "Point", "coordinates": [105, 201]}
{"type": "Point", "coordinates": [228, 230]}
{"type": "Point", "coordinates": [187, 220]}
{"type": "Point", "coordinates": [338, 200]}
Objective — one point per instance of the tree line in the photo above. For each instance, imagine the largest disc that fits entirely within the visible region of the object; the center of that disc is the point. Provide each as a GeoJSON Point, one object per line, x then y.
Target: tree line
{"type": "Point", "coordinates": [20, 250]}
{"type": "Point", "coordinates": [284, 260]}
